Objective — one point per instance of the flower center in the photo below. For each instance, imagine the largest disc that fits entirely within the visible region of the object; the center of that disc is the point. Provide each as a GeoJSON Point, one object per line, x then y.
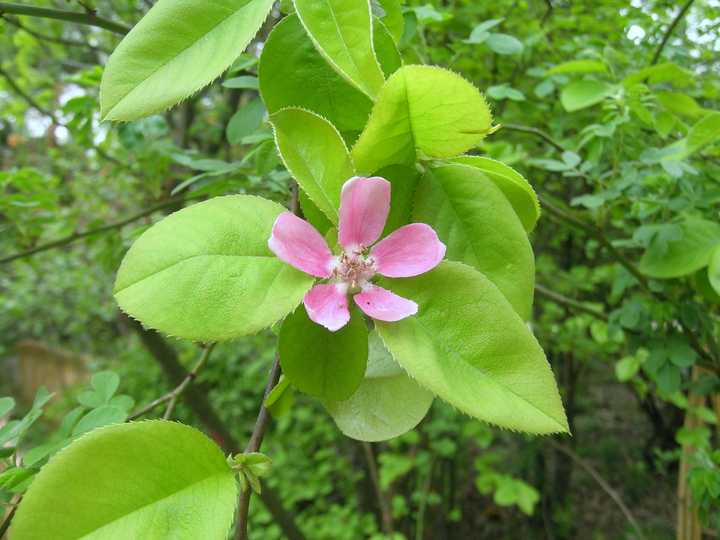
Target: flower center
{"type": "Point", "coordinates": [354, 269]}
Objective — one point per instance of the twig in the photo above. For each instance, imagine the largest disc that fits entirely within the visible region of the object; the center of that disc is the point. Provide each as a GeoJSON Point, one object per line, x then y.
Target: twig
{"type": "Point", "coordinates": [537, 132]}
{"type": "Point", "coordinates": [669, 32]}
{"type": "Point", "coordinates": [569, 302]}
{"type": "Point", "coordinates": [86, 18]}
{"type": "Point", "coordinates": [44, 37]}
{"type": "Point", "coordinates": [28, 98]}
{"type": "Point", "coordinates": [385, 511]}
{"type": "Point", "coordinates": [253, 445]}
{"type": "Point", "coordinates": [5, 525]}
{"type": "Point", "coordinates": [174, 394]}
{"type": "Point", "coordinates": [90, 232]}
{"type": "Point", "coordinates": [601, 482]}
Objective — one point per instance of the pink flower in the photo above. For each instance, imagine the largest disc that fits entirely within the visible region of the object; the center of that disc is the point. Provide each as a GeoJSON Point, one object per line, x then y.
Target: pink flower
{"type": "Point", "coordinates": [364, 206]}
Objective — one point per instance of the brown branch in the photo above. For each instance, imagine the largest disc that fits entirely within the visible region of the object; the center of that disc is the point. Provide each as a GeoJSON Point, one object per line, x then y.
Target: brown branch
{"type": "Point", "coordinates": [175, 393]}
{"type": "Point", "coordinates": [385, 510]}
{"type": "Point", "coordinates": [669, 32]}
{"type": "Point", "coordinates": [614, 495]}
{"type": "Point", "coordinates": [253, 445]}
{"type": "Point", "coordinates": [86, 18]}
{"type": "Point", "coordinates": [97, 230]}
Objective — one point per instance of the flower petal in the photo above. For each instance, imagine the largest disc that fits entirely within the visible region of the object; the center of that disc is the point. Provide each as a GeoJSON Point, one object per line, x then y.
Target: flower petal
{"type": "Point", "coordinates": [409, 251]}
{"type": "Point", "coordinates": [327, 305]}
{"type": "Point", "coordinates": [297, 243]}
{"type": "Point", "coordinates": [384, 305]}
{"type": "Point", "coordinates": [364, 208]}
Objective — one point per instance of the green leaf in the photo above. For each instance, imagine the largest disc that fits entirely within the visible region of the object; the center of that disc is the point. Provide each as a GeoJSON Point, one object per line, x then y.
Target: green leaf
{"type": "Point", "coordinates": [514, 186]}
{"type": "Point", "coordinates": [581, 94]}
{"type": "Point", "coordinates": [387, 403]}
{"type": "Point", "coordinates": [478, 225]}
{"type": "Point", "coordinates": [7, 404]}
{"type": "Point", "coordinates": [243, 82]}
{"type": "Point", "coordinates": [315, 154]}
{"type": "Point", "coordinates": [385, 48]}
{"type": "Point", "coordinates": [403, 181]}
{"type": "Point", "coordinates": [342, 32]}
{"type": "Point", "coordinates": [421, 110]}
{"type": "Point", "coordinates": [579, 66]}
{"type": "Point", "coordinates": [706, 131]}
{"type": "Point", "coordinates": [102, 416]}
{"type": "Point", "coordinates": [685, 255]}
{"type": "Point", "coordinates": [149, 480]}
{"type": "Point", "coordinates": [393, 18]}
{"type": "Point", "coordinates": [504, 44]}
{"type": "Point", "coordinates": [680, 104]}
{"type": "Point", "coordinates": [205, 273]}
{"type": "Point", "coordinates": [178, 47]}
{"type": "Point", "coordinates": [105, 384]}
{"type": "Point", "coordinates": [246, 121]}
{"type": "Point", "coordinates": [661, 73]}
{"type": "Point", "coordinates": [626, 368]}
{"type": "Point", "coordinates": [714, 270]}
{"type": "Point", "coordinates": [289, 65]}
{"type": "Point", "coordinates": [328, 365]}
{"type": "Point", "coordinates": [469, 347]}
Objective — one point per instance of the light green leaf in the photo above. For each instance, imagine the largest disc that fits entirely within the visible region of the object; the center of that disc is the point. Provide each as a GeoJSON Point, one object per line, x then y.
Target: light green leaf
{"type": "Point", "coordinates": [680, 104]}
{"type": "Point", "coordinates": [514, 186]}
{"type": "Point", "coordinates": [661, 73]}
{"type": "Point", "coordinates": [706, 131]}
{"type": "Point", "coordinates": [403, 181]}
{"type": "Point", "coordinates": [387, 404]}
{"type": "Point", "coordinates": [385, 48]}
{"type": "Point", "coordinates": [246, 121]}
{"type": "Point", "coordinates": [290, 63]}
{"type": "Point", "coordinates": [7, 404]}
{"type": "Point", "coordinates": [178, 47]}
{"type": "Point", "coordinates": [469, 347]}
{"type": "Point", "coordinates": [679, 257]}
{"type": "Point", "coordinates": [102, 416]}
{"type": "Point", "coordinates": [626, 368]}
{"type": "Point", "coordinates": [342, 32]}
{"type": "Point", "coordinates": [315, 154]}
{"type": "Point", "coordinates": [328, 365]}
{"type": "Point", "coordinates": [581, 94]}
{"type": "Point", "coordinates": [421, 110]}
{"type": "Point", "coordinates": [205, 273]}
{"type": "Point", "coordinates": [714, 270]}
{"type": "Point", "coordinates": [504, 44]}
{"type": "Point", "coordinates": [393, 18]}
{"type": "Point", "coordinates": [243, 82]}
{"type": "Point", "coordinates": [478, 225]}
{"type": "Point", "coordinates": [105, 384]}
{"type": "Point", "coordinates": [151, 480]}
{"type": "Point", "coordinates": [579, 66]}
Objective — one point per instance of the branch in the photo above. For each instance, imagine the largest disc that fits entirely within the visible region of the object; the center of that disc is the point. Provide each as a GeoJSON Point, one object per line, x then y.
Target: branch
{"type": "Point", "coordinates": [253, 446]}
{"type": "Point", "coordinates": [385, 510]}
{"type": "Point", "coordinates": [87, 18]}
{"type": "Point", "coordinates": [90, 232]}
{"type": "Point", "coordinates": [28, 98]}
{"type": "Point", "coordinates": [52, 39]}
{"type": "Point", "coordinates": [569, 302]}
{"type": "Point", "coordinates": [601, 482]}
{"type": "Point", "coordinates": [174, 394]}
{"type": "Point", "coordinates": [537, 132]}
{"type": "Point", "coordinates": [5, 525]}
{"type": "Point", "coordinates": [669, 32]}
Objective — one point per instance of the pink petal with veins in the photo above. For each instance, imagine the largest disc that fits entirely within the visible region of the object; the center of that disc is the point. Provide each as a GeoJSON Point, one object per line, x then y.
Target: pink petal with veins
{"type": "Point", "coordinates": [327, 305]}
{"type": "Point", "coordinates": [364, 208]}
{"type": "Point", "coordinates": [384, 305]}
{"type": "Point", "coordinates": [297, 243]}
{"type": "Point", "coordinates": [409, 251]}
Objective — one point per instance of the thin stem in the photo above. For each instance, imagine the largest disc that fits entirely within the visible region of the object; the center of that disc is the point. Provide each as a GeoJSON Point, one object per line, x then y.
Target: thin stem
{"type": "Point", "coordinates": [385, 511]}
{"type": "Point", "coordinates": [90, 232]}
{"type": "Point", "coordinates": [86, 18]}
{"type": "Point", "coordinates": [28, 98]}
{"type": "Point", "coordinates": [174, 394]}
{"type": "Point", "coordinates": [43, 37]}
{"type": "Point", "coordinates": [601, 482]}
{"type": "Point", "coordinates": [669, 32]}
{"type": "Point", "coordinates": [5, 525]}
{"type": "Point", "coordinates": [537, 132]}
{"type": "Point", "coordinates": [569, 302]}
{"type": "Point", "coordinates": [253, 446]}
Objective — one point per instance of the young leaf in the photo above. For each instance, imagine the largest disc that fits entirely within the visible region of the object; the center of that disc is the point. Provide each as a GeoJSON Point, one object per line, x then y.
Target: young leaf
{"type": "Point", "coordinates": [105, 384]}
{"type": "Point", "coordinates": [579, 66]}
{"type": "Point", "coordinates": [151, 479]}
{"type": "Point", "coordinates": [714, 270]}
{"type": "Point", "coordinates": [393, 18]}
{"type": "Point", "coordinates": [315, 154]}
{"type": "Point", "coordinates": [289, 65]}
{"type": "Point", "coordinates": [504, 44]}
{"type": "Point", "coordinates": [245, 121]}
{"type": "Point", "coordinates": [685, 255]}
{"type": "Point", "coordinates": [342, 32]}
{"type": "Point", "coordinates": [178, 47]}
{"type": "Point", "coordinates": [329, 365]}
{"type": "Point", "coordinates": [206, 273]}
{"type": "Point", "coordinates": [387, 403]}
{"type": "Point", "coordinates": [581, 94]}
{"type": "Point", "coordinates": [514, 186]}
{"type": "Point", "coordinates": [469, 347]}
{"type": "Point", "coordinates": [421, 109]}
{"type": "Point", "coordinates": [480, 228]}
{"type": "Point", "coordinates": [102, 416]}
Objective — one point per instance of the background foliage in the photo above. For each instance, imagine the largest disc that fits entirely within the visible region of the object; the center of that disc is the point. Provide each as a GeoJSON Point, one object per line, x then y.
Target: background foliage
{"type": "Point", "coordinates": [606, 108]}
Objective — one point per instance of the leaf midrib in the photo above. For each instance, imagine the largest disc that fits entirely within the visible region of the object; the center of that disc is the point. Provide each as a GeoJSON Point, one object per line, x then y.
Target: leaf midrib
{"type": "Point", "coordinates": [153, 502]}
